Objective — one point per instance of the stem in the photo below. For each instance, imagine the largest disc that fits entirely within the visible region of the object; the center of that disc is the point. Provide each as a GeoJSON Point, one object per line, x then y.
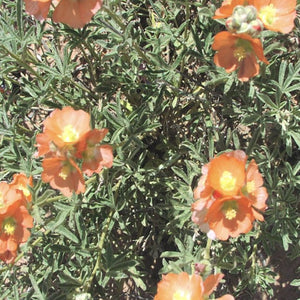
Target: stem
{"type": "Point", "coordinates": [49, 200]}
{"type": "Point", "coordinates": [207, 249]}
{"type": "Point", "coordinates": [114, 17]}
{"type": "Point", "coordinates": [117, 19]}
{"type": "Point", "coordinates": [88, 283]}
{"type": "Point", "coordinates": [90, 66]}
{"type": "Point", "coordinates": [30, 69]}
{"type": "Point", "coordinates": [185, 37]}
{"type": "Point", "coordinates": [100, 245]}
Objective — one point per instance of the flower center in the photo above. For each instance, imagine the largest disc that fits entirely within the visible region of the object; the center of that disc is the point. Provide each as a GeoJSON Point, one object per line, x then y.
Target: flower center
{"type": "Point", "coordinates": [69, 134]}
{"type": "Point", "coordinates": [229, 209]}
{"type": "Point", "coordinates": [239, 53]}
{"type": "Point", "coordinates": [267, 14]}
{"type": "Point", "coordinates": [25, 190]}
{"type": "Point", "coordinates": [250, 187]}
{"type": "Point", "coordinates": [64, 172]}
{"type": "Point", "coordinates": [227, 181]}
{"type": "Point", "coordinates": [9, 226]}
{"type": "Point", "coordinates": [181, 295]}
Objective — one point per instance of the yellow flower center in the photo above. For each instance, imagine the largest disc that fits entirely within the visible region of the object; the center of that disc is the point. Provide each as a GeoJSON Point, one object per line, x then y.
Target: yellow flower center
{"type": "Point", "coordinates": [250, 187]}
{"type": "Point", "coordinates": [267, 14]}
{"type": "Point", "coordinates": [9, 226]}
{"type": "Point", "coordinates": [230, 213]}
{"type": "Point", "coordinates": [25, 190]}
{"type": "Point", "coordinates": [69, 134]}
{"type": "Point", "coordinates": [64, 173]}
{"type": "Point", "coordinates": [230, 209]}
{"type": "Point", "coordinates": [240, 53]}
{"type": "Point", "coordinates": [227, 181]}
{"type": "Point", "coordinates": [181, 295]}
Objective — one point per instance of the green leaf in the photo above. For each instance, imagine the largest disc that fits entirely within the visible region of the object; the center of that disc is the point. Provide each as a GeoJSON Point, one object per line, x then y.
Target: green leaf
{"type": "Point", "coordinates": [67, 233]}
{"type": "Point", "coordinates": [35, 286]}
{"type": "Point", "coordinates": [267, 100]}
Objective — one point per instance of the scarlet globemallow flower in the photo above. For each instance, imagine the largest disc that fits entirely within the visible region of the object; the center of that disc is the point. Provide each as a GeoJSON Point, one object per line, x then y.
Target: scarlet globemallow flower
{"type": "Point", "coordinates": [254, 190]}
{"type": "Point", "coordinates": [76, 13]}
{"type": "Point", "coordinates": [229, 196]}
{"type": "Point", "coordinates": [238, 51]}
{"type": "Point", "coordinates": [38, 8]}
{"type": "Point", "coordinates": [277, 15]}
{"type": "Point", "coordinates": [223, 175]}
{"type": "Point", "coordinates": [66, 127]}
{"type": "Point", "coordinates": [63, 174]}
{"type": "Point", "coordinates": [22, 182]}
{"type": "Point", "coordinates": [9, 195]}
{"type": "Point", "coordinates": [94, 157]}
{"type": "Point", "coordinates": [183, 286]}
{"type": "Point", "coordinates": [227, 8]}
{"type": "Point", "coordinates": [14, 223]}
{"type": "Point", "coordinates": [230, 216]}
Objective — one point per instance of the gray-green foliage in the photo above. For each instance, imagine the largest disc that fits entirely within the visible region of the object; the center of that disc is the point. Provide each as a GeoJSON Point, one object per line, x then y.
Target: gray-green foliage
{"type": "Point", "coordinates": [145, 71]}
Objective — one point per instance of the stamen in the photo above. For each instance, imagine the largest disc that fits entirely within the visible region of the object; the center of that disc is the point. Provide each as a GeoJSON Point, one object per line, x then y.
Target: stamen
{"type": "Point", "coordinates": [9, 226]}
{"type": "Point", "coordinates": [267, 14]}
{"type": "Point", "coordinates": [230, 209]}
{"type": "Point", "coordinates": [227, 181]}
{"type": "Point", "coordinates": [181, 295]}
{"type": "Point", "coordinates": [69, 134]}
{"type": "Point", "coordinates": [250, 187]}
{"type": "Point", "coordinates": [239, 53]}
{"type": "Point", "coordinates": [64, 173]}
{"type": "Point", "coordinates": [25, 190]}
{"type": "Point", "coordinates": [230, 214]}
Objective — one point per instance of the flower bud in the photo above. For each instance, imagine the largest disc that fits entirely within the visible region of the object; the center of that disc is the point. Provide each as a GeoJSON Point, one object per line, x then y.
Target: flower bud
{"type": "Point", "coordinates": [251, 13]}
{"type": "Point", "coordinates": [255, 28]}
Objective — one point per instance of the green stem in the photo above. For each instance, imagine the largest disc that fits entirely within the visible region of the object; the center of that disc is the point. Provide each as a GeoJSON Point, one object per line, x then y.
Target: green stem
{"type": "Point", "coordinates": [117, 19]}
{"type": "Point", "coordinates": [185, 37]}
{"type": "Point", "coordinates": [207, 249]}
{"type": "Point", "coordinates": [114, 17]}
{"type": "Point", "coordinates": [49, 200]}
{"type": "Point", "coordinates": [88, 283]}
{"type": "Point", "coordinates": [90, 65]}
{"type": "Point", "coordinates": [100, 245]}
{"type": "Point", "coordinates": [30, 69]}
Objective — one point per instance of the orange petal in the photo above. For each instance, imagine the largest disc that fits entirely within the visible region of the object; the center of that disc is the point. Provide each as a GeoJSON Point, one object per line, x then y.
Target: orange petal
{"type": "Point", "coordinates": [248, 68]}
{"type": "Point", "coordinates": [76, 13]}
{"type": "Point", "coordinates": [211, 283]}
{"type": "Point", "coordinates": [38, 8]}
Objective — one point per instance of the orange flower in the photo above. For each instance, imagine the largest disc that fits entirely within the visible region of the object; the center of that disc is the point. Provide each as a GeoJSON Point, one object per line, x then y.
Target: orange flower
{"type": "Point", "coordinates": [223, 175]}
{"type": "Point", "coordinates": [65, 127]}
{"type": "Point", "coordinates": [8, 196]}
{"type": "Point", "coordinates": [14, 221]}
{"type": "Point", "coordinates": [230, 216]}
{"type": "Point", "coordinates": [255, 191]}
{"type": "Point", "coordinates": [63, 174]}
{"type": "Point", "coordinates": [183, 286]}
{"type": "Point", "coordinates": [227, 8]}
{"type": "Point", "coordinates": [21, 182]}
{"type": "Point", "coordinates": [277, 15]}
{"type": "Point", "coordinates": [95, 157]}
{"type": "Point", "coordinates": [38, 8]}
{"type": "Point", "coordinates": [76, 13]}
{"type": "Point", "coordinates": [226, 173]}
{"type": "Point", "coordinates": [229, 196]}
{"type": "Point", "coordinates": [44, 145]}
{"type": "Point", "coordinates": [238, 51]}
